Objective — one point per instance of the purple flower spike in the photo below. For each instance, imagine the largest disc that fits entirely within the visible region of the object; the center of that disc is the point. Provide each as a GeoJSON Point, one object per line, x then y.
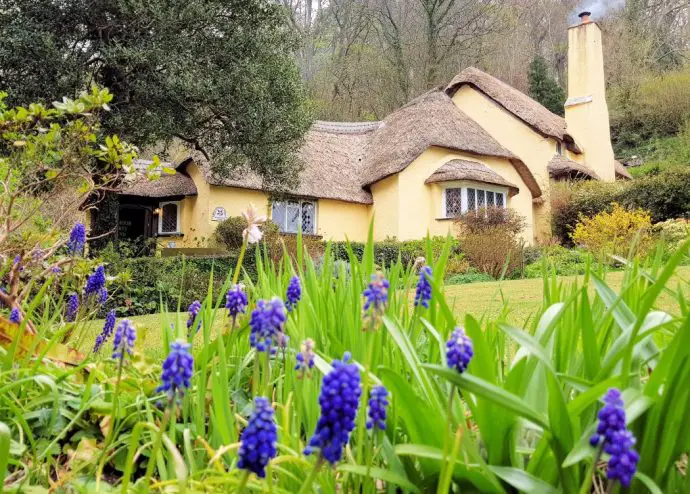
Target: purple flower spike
{"type": "Point", "coordinates": [125, 336]}
{"type": "Point", "coordinates": [459, 350]}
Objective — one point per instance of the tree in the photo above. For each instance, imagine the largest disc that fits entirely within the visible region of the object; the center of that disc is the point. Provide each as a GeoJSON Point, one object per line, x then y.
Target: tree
{"type": "Point", "coordinates": [217, 74]}
{"type": "Point", "coordinates": [543, 87]}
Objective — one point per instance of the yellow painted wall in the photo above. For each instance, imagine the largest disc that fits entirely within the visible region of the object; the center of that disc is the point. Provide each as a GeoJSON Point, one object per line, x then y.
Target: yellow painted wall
{"type": "Point", "coordinates": [339, 220]}
{"type": "Point", "coordinates": [532, 148]}
{"type": "Point", "coordinates": [407, 208]}
{"type": "Point", "coordinates": [586, 110]}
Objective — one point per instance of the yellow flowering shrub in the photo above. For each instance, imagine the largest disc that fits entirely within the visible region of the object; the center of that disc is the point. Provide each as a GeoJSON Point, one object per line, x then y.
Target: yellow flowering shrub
{"type": "Point", "coordinates": [614, 232]}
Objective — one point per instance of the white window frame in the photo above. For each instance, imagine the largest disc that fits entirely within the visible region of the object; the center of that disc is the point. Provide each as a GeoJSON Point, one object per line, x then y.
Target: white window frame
{"type": "Point", "coordinates": [160, 217]}
{"type": "Point", "coordinates": [313, 202]}
{"type": "Point", "coordinates": [463, 186]}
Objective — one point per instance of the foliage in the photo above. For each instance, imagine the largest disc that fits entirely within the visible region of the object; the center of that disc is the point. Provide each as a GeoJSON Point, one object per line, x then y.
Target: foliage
{"type": "Point", "coordinates": [558, 260]}
{"type": "Point", "coordinates": [228, 233]}
{"type": "Point", "coordinates": [617, 232]}
{"type": "Point", "coordinates": [539, 386]}
{"type": "Point", "coordinates": [666, 195]}
{"type": "Point", "coordinates": [671, 233]}
{"type": "Point", "coordinates": [544, 88]}
{"type": "Point", "coordinates": [472, 275]}
{"type": "Point", "coordinates": [217, 74]}
{"type": "Point", "coordinates": [490, 239]}
{"type": "Point", "coordinates": [659, 153]}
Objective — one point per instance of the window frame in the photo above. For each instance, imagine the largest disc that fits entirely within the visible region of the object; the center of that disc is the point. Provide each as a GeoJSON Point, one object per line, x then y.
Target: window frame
{"type": "Point", "coordinates": [301, 201]}
{"type": "Point", "coordinates": [161, 205]}
{"type": "Point", "coordinates": [477, 186]}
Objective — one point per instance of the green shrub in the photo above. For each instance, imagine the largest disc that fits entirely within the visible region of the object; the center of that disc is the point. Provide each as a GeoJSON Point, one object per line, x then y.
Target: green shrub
{"type": "Point", "coordinates": [228, 233]}
{"type": "Point", "coordinates": [472, 275]}
{"type": "Point", "coordinates": [666, 195]}
{"type": "Point", "coordinates": [559, 260]}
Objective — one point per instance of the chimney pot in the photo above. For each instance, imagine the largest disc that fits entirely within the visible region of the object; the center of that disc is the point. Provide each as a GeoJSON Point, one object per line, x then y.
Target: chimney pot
{"type": "Point", "coordinates": [584, 17]}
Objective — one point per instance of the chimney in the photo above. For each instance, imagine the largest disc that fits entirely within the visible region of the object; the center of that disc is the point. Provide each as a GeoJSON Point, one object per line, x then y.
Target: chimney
{"type": "Point", "coordinates": [586, 112]}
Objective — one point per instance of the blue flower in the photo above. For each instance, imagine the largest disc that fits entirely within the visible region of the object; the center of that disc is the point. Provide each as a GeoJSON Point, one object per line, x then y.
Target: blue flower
{"type": "Point", "coordinates": [107, 330]}
{"type": "Point", "coordinates": [378, 402]}
{"type": "Point", "coordinates": [102, 296]}
{"type": "Point", "coordinates": [294, 293]}
{"type": "Point", "coordinates": [423, 294]}
{"type": "Point", "coordinates": [125, 336]}
{"type": "Point", "coordinates": [618, 442]}
{"type": "Point", "coordinates": [236, 301]}
{"type": "Point", "coordinates": [14, 316]}
{"type": "Point", "coordinates": [623, 459]}
{"type": "Point", "coordinates": [193, 311]}
{"type": "Point", "coordinates": [611, 418]}
{"type": "Point", "coordinates": [259, 438]}
{"type": "Point", "coordinates": [375, 299]}
{"type": "Point", "coordinates": [305, 358]}
{"type": "Point", "coordinates": [95, 283]}
{"type": "Point", "coordinates": [77, 239]}
{"type": "Point", "coordinates": [177, 370]}
{"type": "Point", "coordinates": [339, 399]}
{"type": "Point", "coordinates": [72, 307]}
{"type": "Point", "coordinates": [459, 350]}
{"type": "Point", "coordinates": [266, 323]}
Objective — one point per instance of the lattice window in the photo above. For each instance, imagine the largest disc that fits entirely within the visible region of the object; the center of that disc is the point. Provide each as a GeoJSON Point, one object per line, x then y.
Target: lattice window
{"type": "Point", "coordinates": [308, 217]}
{"type": "Point", "coordinates": [499, 200]}
{"type": "Point", "coordinates": [168, 220]}
{"type": "Point", "coordinates": [480, 199]}
{"type": "Point", "coordinates": [471, 199]}
{"type": "Point", "coordinates": [453, 202]}
{"type": "Point", "coordinates": [290, 215]}
{"type": "Point", "coordinates": [489, 199]}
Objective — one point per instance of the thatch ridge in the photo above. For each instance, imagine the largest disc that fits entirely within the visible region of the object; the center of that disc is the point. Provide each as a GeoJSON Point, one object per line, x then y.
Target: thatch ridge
{"type": "Point", "coordinates": [561, 167]}
{"type": "Point", "coordinates": [431, 119]}
{"type": "Point", "coordinates": [516, 102]}
{"type": "Point", "coordinates": [458, 169]}
{"type": "Point", "coordinates": [179, 184]}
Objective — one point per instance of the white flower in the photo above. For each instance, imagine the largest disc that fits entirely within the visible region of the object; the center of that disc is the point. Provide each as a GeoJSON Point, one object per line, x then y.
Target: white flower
{"type": "Point", "coordinates": [252, 233]}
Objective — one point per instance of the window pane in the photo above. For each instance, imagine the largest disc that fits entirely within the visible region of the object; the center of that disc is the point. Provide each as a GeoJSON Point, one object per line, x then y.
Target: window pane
{"type": "Point", "coordinates": [471, 201]}
{"type": "Point", "coordinates": [480, 199]}
{"type": "Point", "coordinates": [308, 222]}
{"type": "Point", "coordinates": [499, 200]}
{"type": "Point", "coordinates": [453, 202]}
{"type": "Point", "coordinates": [278, 215]}
{"type": "Point", "coordinates": [293, 217]}
{"type": "Point", "coordinates": [169, 218]}
{"type": "Point", "coordinates": [489, 198]}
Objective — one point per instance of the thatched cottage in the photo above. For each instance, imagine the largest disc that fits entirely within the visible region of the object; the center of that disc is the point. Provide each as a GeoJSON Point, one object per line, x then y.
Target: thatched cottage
{"type": "Point", "coordinates": [472, 143]}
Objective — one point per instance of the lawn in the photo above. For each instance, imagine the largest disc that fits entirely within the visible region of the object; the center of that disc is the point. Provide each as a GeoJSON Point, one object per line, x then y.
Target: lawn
{"type": "Point", "coordinates": [485, 299]}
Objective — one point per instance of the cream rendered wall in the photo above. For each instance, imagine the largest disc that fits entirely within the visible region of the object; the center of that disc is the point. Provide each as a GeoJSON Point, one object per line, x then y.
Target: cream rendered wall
{"type": "Point", "coordinates": [586, 110]}
{"type": "Point", "coordinates": [407, 208]}
{"type": "Point", "coordinates": [534, 149]}
{"type": "Point", "coordinates": [339, 220]}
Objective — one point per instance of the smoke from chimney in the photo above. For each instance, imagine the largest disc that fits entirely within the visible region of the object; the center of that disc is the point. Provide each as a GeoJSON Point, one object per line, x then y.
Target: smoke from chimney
{"type": "Point", "coordinates": [598, 8]}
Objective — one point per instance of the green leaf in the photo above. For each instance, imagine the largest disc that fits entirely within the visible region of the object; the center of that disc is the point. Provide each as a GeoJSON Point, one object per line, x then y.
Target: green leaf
{"type": "Point", "coordinates": [523, 481]}
{"type": "Point", "coordinates": [379, 473]}
{"type": "Point", "coordinates": [491, 393]}
{"type": "Point", "coordinates": [649, 483]}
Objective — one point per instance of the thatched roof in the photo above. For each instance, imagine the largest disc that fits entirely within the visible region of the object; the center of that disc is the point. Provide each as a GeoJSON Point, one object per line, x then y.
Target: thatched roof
{"type": "Point", "coordinates": [561, 168]}
{"type": "Point", "coordinates": [457, 169]}
{"type": "Point", "coordinates": [621, 171]}
{"type": "Point", "coordinates": [175, 185]}
{"type": "Point", "coordinates": [519, 104]}
{"type": "Point", "coordinates": [432, 119]}
{"type": "Point", "coordinates": [333, 159]}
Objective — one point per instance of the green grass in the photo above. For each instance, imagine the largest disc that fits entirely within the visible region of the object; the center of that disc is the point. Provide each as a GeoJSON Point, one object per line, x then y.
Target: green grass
{"type": "Point", "coordinates": [482, 300]}
{"type": "Point", "coordinates": [661, 153]}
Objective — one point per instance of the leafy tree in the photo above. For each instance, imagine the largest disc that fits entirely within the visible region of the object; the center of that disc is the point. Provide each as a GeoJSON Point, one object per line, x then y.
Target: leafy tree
{"type": "Point", "coordinates": [217, 74]}
{"type": "Point", "coordinates": [543, 87]}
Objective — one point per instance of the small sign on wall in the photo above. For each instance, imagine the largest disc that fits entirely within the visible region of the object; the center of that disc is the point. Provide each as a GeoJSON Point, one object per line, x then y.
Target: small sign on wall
{"type": "Point", "coordinates": [219, 214]}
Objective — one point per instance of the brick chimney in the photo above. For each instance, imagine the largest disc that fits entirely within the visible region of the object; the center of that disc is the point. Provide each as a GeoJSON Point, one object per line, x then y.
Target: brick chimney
{"type": "Point", "coordinates": [586, 112]}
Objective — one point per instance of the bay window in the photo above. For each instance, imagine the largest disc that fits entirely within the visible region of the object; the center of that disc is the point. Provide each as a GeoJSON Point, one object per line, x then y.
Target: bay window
{"type": "Point", "coordinates": [457, 200]}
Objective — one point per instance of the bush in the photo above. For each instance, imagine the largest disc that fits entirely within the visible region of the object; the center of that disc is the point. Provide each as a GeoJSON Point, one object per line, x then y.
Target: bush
{"type": "Point", "coordinates": [559, 260]}
{"type": "Point", "coordinates": [616, 232]}
{"type": "Point", "coordinates": [666, 195]}
{"type": "Point", "coordinates": [228, 233]}
{"type": "Point", "coordinates": [471, 276]}
{"type": "Point", "coordinates": [490, 239]}
{"type": "Point", "coordinates": [672, 233]}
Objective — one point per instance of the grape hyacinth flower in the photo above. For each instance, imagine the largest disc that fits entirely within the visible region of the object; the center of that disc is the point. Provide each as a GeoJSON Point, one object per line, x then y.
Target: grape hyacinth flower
{"type": "Point", "coordinates": [102, 296]}
{"type": "Point", "coordinates": [378, 402]}
{"type": "Point", "coordinates": [339, 399]}
{"type": "Point", "coordinates": [95, 283]}
{"type": "Point", "coordinates": [177, 371]}
{"type": "Point", "coordinates": [193, 311]}
{"type": "Point", "coordinates": [72, 307]}
{"type": "Point", "coordinates": [294, 293]}
{"type": "Point", "coordinates": [125, 336]}
{"type": "Point", "coordinates": [459, 350]}
{"type": "Point", "coordinates": [375, 299]}
{"type": "Point", "coordinates": [266, 323]}
{"type": "Point", "coordinates": [259, 439]}
{"type": "Point", "coordinates": [14, 316]}
{"type": "Point", "coordinates": [617, 442]}
{"type": "Point", "coordinates": [423, 293]}
{"type": "Point", "coordinates": [236, 301]}
{"type": "Point", "coordinates": [77, 239]}
{"type": "Point", "coordinates": [107, 330]}
{"type": "Point", "coordinates": [305, 358]}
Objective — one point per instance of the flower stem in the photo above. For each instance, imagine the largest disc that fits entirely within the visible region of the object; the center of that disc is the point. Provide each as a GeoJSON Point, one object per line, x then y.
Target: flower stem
{"type": "Point", "coordinates": [449, 433]}
{"type": "Point", "coordinates": [590, 472]}
{"type": "Point", "coordinates": [113, 421]}
{"type": "Point", "coordinates": [240, 259]}
{"type": "Point", "coordinates": [243, 481]}
{"type": "Point", "coordinates": [157, 444]}
{"type": "Point", "coordinates": [309, 481]}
